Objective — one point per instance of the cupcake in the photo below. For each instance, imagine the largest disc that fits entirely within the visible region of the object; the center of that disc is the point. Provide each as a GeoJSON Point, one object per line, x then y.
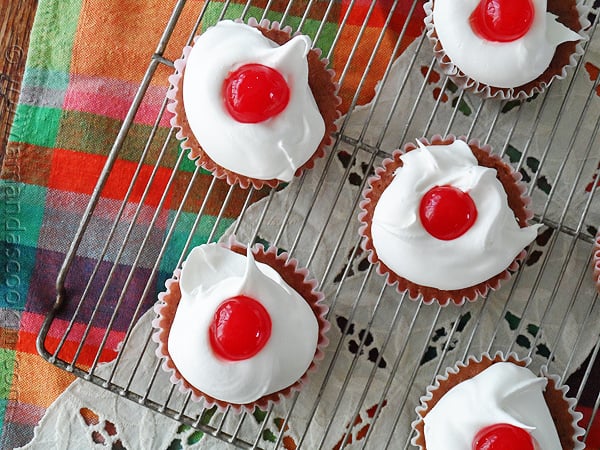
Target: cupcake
{"type": "Point", "coordinates": [446, 220]}
{"type": "Point", "coordinates": [253, 105]}
{"type": "Point", "coordinates": [504, 48]}
{"type": "Point", "coordinates": [496, 402]}
{"type": "Point", "coordinates": [240, 327]}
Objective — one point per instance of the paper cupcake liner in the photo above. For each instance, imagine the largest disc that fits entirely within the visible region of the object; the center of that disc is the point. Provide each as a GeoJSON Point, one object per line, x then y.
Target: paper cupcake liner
{"type": "Point", "coordinates": [320, 80]}
{"type": "Point", "coordinates": [562, 408]}
{"type": "Point", "coordinates": [295, 276]}
{"type": "Point", "coordinates": [566, 56]}
{"type": "Point", "coordinates": [517, 200]}
{"type": "Point", "coordinates": [596, 261]}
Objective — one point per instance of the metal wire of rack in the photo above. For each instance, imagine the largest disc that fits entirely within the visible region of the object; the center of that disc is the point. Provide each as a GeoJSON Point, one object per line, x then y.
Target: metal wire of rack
{"type": "Point", "coordinates": [558, 142]}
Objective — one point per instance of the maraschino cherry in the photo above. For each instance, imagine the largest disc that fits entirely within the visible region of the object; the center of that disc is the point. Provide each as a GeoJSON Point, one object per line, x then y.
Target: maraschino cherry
{"type": "Point", "coordinates": [502, 20]}
{"type": "Point", "coordinates": [502, 436]}
{"type": "Point", "coordinates": [446, 212]}
{"type": "Point", "coordinates": [241, 327]}
{"type": "Point", "coordinates": [254, 93]}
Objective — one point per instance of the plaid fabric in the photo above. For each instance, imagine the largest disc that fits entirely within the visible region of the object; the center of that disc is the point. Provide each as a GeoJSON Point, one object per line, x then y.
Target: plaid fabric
{"type": "Point", "coordinates": [86, 60]}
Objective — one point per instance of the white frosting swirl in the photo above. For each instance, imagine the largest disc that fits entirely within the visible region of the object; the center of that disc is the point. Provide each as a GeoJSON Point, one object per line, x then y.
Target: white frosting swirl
{"type": "Point", "coordinates": [499, 64]}
{"type": "Point", "coordinates": [274, 148]}
{"type": "Point", "coordinates": [483, 251]}
{"type": "Point", "coordinates": [502, 393]}
{"type": "Point", "coordinates": [212, 274]}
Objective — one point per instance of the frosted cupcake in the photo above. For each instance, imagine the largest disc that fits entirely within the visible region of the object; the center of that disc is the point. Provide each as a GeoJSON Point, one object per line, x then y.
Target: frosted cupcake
{"type": "Point", "coordinates": [496, 402]}
{"type": "Point", "coordinates": [239, 327]}
{"type": "Point", "coordinates": [446, 221]}
{"type": "Point", "coordinates": [504, 48]}
{"type": "Point", "coordinates": [254, 105]}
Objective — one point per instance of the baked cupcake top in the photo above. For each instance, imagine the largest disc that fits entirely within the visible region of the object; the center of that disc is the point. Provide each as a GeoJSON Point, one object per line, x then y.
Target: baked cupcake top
{"type": "Point", "coordinates": [501, 43]}
{"type": "Point", "coordinates": [240, 331]}
{"type": "Point", "coordinates": [503, 404]}
{"type": "Point", "coordinates": [248, 102]}
{"type": "Point", "coordinates": [444, 220]}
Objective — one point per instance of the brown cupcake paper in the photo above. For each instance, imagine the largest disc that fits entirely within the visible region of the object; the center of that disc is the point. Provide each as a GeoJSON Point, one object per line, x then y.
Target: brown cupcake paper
{"type": "Point", "coordinates": [596, 261]}
{"type": "Point", "coordinates": [562, 408]}
{"type": "Point", "coordinates": [298, 278]}
{"type": "Point", "coordinates": [571, 13]}
{"type": "Point", "coordinates": [518, 201]}
{"type": "Point", "coordinates": [320, 80]}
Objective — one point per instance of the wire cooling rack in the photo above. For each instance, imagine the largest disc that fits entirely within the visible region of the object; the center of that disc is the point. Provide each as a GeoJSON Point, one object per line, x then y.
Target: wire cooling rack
{"type": "Point", "coordinates": [385, 348]}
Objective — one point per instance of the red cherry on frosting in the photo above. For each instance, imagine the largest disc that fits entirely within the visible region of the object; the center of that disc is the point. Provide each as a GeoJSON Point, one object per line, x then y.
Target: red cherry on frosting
{"type": "Point", "coordinates": [502, 20]}
{"type": "Point", "coordinates": [254, 93]}
{"type": "Point", "coordinates": [447, 212]}
{"type": "Point", "coordinates": [502, 436]}
{"type": "Point", "coordinates": [240, 328]}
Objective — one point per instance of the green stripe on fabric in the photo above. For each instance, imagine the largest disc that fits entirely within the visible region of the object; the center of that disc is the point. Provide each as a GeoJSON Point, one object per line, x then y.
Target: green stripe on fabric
{"type": "Point", "coordinates": [16, 275]}
{"type": "Point", "coordinates": [7, 366]}
{"type": "Point", "coordinates": [96, 134]}
{"type": "Point", "coordinates": [189, 165]}
{"type": "Point", "coordinates": [22, 208]}
{"type": "Point", "coordinates": [51, 79]}
{"type": "Point", "coordinates": [3, 403]}
{"type": "Point", "coordinates": [35, 125]}
{"type": "Point", "coordinates": [22, 211]}
{"type": "Point", "coordinates": [181, 233]}
{"type": "Point", "coordinates": [310, 26]}
{"type": "Point", "coordinates": [7, 363]}
{"type": "Point", "coordinates": [52, 35]}
{"type": "Point", "coordinates": [325, 42]}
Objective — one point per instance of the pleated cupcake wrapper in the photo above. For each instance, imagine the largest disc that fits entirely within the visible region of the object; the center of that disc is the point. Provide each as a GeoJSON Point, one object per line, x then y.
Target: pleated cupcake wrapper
{"type": "Point", "coordinates": [596, 261]}
{"type": "Point", "coordinates": [516, 192]}
{"type": "Point", "coordinates": [298, 278]}
{"type": "Point", "coordinates": [519, 92]}
{"type": "Point", "coordinates": [562, 408]}
{"type": "Point", "coordinates": [323, 87]}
